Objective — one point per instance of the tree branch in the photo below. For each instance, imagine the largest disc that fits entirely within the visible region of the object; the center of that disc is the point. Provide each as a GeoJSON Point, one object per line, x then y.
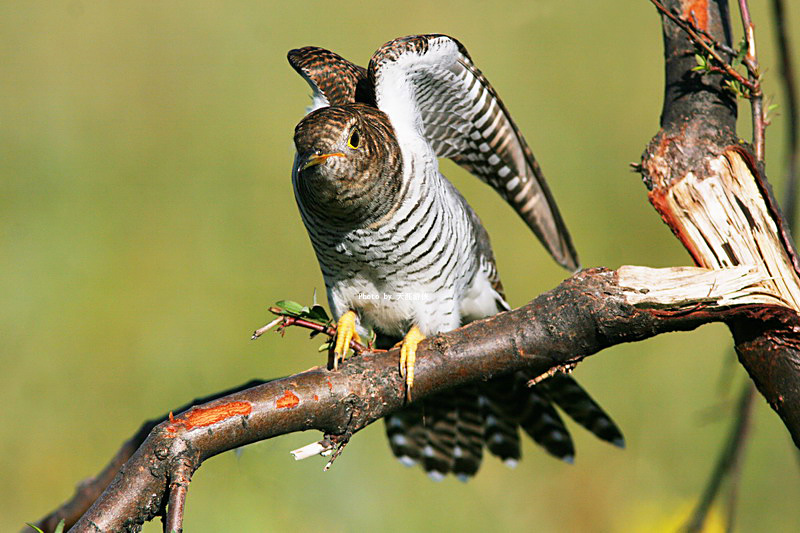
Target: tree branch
{"type": "Point", "coordinates": [712, 193]}
{"type": "Point", "coordinates": [592, 310]}
{"type": "Point", "coordinates": [89, 489]}
{"type": "Point", "coordinates": [698, 13]}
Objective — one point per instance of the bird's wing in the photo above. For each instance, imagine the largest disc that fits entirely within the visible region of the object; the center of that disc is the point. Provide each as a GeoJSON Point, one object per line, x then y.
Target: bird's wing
{"type": "Point", "coordinates": [430, 89]}
{"type": "Point", "coordinates": [334, 80]}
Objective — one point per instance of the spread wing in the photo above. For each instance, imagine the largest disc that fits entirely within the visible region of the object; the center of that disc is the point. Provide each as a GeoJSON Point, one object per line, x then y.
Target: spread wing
{"type": "Point", "coordinates": [432, 92]}
{"type": "Point", "coordinates": [334, 80]}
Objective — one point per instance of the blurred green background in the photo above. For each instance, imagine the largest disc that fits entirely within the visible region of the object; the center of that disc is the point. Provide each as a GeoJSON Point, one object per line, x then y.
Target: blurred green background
{"type": "Point", "coordinates": [147, 221]}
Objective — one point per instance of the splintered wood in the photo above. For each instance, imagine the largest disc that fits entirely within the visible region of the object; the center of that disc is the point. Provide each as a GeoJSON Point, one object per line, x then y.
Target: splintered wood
{"type": "Point", "coordinates": [724, 222]}
{"type": "Point", "coordinates": [680, 288]}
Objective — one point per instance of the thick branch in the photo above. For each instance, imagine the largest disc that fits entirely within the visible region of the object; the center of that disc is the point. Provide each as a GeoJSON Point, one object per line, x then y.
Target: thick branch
{"type": "Point", "coordinates": [89, 489]}
{"type": "Point", "coordinates": [711, 191]}
{"type": "Point", "coordinates": [591, 311]}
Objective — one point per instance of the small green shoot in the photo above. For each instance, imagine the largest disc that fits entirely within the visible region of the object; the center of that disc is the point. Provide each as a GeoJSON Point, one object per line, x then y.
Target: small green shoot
{"type": "Point", "coordinates": [59, 528]}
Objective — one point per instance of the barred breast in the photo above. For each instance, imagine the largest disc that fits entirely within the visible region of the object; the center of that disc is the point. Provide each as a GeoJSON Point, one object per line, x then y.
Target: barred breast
{"type": "Point", "coordinates": [411, 266]}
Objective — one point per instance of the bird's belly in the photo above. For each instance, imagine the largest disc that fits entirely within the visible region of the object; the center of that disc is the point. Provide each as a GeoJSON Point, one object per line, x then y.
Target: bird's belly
{"type": "Point", "coordinates": [405, 274]}
{"type": "Point", "coordinates": [390, 307]}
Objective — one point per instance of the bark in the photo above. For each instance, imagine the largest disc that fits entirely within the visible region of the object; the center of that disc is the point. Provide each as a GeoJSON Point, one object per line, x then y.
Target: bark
{"type": "Point", "coordinates": [708, 188]}
{"type": "Point", "coordinates": [592, 310]}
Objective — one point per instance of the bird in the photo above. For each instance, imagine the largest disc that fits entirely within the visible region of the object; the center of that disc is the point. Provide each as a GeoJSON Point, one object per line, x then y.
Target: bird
{"type": "Point", "coordinates": [402, 253]}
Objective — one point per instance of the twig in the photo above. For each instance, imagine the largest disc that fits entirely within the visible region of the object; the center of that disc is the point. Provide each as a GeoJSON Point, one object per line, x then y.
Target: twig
{"type": "Point", "coordinates": [283, 321]}
{"type": "Point", "coordinates": [727, 464]}
{"type": "Point", "coordinates": [752, 82]}
{"type": "Point", "coordinates": [750, 61]}
{"type": "Point", "coordinates": [695, 37]}
{"type": "Point", "coordinates": [178, 488]}
{"type": "Point", "coordinates": [566, 368]}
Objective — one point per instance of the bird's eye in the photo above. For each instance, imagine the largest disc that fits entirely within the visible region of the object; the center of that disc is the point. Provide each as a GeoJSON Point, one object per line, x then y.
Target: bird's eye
{"type": "Point", "coordinates": [354, 139]}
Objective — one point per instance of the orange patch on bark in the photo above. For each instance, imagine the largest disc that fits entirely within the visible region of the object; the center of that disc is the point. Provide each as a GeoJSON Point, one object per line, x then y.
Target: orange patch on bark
{"type": "Point", "coordinates": [658, 199]}
{"type": "Point", "coordinates": [288, 400]}
{"type": "Point", "coordinates": [205, 417]}
{"type": "Point", "coordinates": [316, 398]}
{"type": "Point", "coordinates": [696, 11]}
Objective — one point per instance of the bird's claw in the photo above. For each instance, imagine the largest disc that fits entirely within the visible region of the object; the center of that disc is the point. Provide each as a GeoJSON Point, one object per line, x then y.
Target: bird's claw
{"type": "Point", "coordinates": [408, 357]}
{"type": "Point", "coordinates": [345, 333]}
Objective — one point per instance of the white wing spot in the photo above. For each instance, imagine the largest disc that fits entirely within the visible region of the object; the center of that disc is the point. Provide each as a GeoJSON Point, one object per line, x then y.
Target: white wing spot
{"type": "Point", "coordinates": [406, 460]}
{"type": "Point", "coordinates": [435, 475]}
{"type": "Point", "coordinates": [399, 440]}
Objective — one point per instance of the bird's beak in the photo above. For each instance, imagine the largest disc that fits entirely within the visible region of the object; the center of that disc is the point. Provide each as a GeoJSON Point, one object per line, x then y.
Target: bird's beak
{"type": "Point", "coordinates": [316, 159]}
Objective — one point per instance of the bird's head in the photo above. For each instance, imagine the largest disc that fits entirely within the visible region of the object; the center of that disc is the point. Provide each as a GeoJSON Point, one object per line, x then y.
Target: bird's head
{"type": "Point", "coordinates": [348, 162]}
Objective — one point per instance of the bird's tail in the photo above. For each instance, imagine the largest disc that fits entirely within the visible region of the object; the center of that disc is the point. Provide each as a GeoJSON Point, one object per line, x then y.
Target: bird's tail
{"type": "Point", "coordinates": [447, 432]}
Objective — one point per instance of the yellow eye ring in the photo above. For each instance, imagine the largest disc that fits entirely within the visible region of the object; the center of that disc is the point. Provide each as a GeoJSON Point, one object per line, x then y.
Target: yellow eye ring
{"type": "Point", "coordinates": [354, 139]}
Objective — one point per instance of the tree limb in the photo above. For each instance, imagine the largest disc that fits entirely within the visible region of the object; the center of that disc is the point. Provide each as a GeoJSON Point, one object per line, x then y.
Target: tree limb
{"type": "Point", "coordinates": [711, 191]}
{"type": "Point", "coordinates": [591, 311]}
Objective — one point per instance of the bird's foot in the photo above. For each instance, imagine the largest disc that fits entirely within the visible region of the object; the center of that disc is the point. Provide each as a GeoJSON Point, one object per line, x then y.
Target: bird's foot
{"type": "Point", "coordinates": [408, 357]}
{"type": "Point", "coordinates": [345, 332]}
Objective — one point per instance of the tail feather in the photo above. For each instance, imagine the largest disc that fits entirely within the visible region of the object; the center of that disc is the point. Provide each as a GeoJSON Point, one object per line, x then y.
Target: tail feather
{"type": "Point", "coordinates": [440, 418]}
{"type": "Point", "coordinates": [576, 402]}
{"type": "Point", "coordinates": [500, 427]}
{"type": "Point", "coordinates": [446, 433]}
{"type": "Point", "coordinates": [543, 424]}
{"type": "Point", "coordinates": [468, 451]}
{"type": "Point", "coordinates": [406, 432]}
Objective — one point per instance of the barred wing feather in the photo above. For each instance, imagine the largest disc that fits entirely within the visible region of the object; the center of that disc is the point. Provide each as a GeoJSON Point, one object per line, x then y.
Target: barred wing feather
{"type": "Point", "coordinates": [334, 80]}
{"type": "Point", "coordinates": [434, 95]}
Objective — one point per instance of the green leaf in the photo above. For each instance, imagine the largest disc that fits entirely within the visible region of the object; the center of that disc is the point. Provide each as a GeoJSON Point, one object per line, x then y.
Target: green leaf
{"type": "Point", "coordinates": [291, 308]}
{"type": "Point", "coordinates": [741, 51]}
{"type": "Point", "coordinates": [701, 61]}
{"type": "Point", "coordinates": [317, 312]}
{"type": "Point", "coordinates": [59, 528]}
{"type": "Point", "coordinates": [325, 347]}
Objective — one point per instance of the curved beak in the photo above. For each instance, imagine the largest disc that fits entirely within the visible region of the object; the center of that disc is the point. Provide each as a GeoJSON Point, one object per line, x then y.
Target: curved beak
{"type": "Point", "coordinates": [316, 159]}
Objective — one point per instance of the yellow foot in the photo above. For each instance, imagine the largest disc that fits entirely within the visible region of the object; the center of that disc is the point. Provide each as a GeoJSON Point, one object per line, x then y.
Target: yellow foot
{"type": "Point", "coordinates": [345, 332]}
{"type": "Point", "coordinates": [408, 356]}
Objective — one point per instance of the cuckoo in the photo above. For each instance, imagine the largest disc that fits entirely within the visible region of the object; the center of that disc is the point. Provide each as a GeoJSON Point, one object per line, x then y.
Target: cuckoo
{"type": "Point", "coordinates": [404, 255]}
